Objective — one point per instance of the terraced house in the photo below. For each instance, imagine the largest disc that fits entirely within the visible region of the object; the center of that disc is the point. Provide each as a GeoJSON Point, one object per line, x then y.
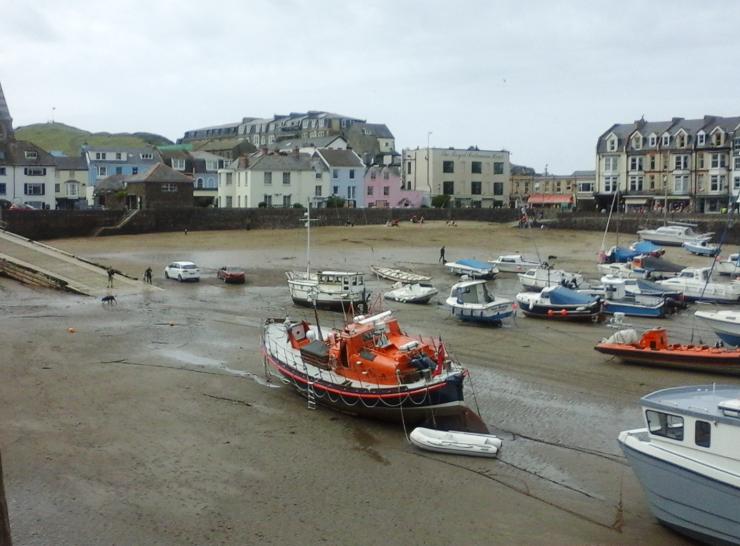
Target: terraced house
{"type": "Point", "coordinates": [684, 164]}
{"type": "Point", "coordinates": [105, 161]}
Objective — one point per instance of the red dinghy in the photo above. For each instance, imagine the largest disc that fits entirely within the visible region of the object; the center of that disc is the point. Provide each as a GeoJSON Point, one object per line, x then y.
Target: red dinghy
{"type": "Point", "coordinates": [653, 348]}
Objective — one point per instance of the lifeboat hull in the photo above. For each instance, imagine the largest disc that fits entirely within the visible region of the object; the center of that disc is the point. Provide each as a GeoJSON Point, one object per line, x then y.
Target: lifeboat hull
{"type": "Point", "coordinates": [697, 357]}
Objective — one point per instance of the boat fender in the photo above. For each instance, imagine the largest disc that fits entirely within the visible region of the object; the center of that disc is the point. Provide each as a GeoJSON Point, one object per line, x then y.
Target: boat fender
{"type": "Point", "coordinates": [550, 312]}
{"type": "Point", "coordinates": [563, 312]}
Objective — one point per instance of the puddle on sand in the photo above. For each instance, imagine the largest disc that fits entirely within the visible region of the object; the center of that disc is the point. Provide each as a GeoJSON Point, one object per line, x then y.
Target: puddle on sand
{"type": "Point", "coordinates": [205, 362]}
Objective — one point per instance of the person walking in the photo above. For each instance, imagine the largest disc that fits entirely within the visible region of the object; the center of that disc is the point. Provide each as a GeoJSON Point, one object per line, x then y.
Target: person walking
{"type": "Point", "coordinates": [110, 277]}
{"type": "Point", "coordinates": [442, 255]}
{"type": "Point", "coordinates": [148, 275]}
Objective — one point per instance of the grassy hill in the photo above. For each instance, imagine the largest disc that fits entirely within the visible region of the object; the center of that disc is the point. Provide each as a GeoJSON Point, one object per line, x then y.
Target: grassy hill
{"type": "Point", "coordinates": [58, 136]}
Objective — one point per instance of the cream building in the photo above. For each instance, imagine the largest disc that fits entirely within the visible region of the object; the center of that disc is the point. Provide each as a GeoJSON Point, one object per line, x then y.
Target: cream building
{"type": "Point", "coordinates": [70, 182]}
{"type": "Point", "coordinates": [273, 180]}
{"type": "Point", "coordinates": [472, 177]}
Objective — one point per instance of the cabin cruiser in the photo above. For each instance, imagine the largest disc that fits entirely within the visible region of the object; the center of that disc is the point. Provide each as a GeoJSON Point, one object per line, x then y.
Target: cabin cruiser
{"type": "Point", "coordinates": [729, 266]}
{"type": "Point", "coordinates": [687, 461]}
{"type": "Point", "coordinates": [471, 301]}
{"type": "Point", "coordinates": [514, 263]}
{"type": "Point", "coordinates": [473, 269]}
{"type": "Point", "coordinates": [701, 248]}
{"type": "Point", "coordinates": [697, 285]}
{"type": "Point", "coordinates": [644, 288]}
{"type": "Point", "coordinates": [558, 302]}
{"type": "Point", "coordinates": [544, 276]}
{"type": "Point", "coordinates": [335, 290]}
{"type": "Point", "coordinates": [726, 324]}
{"type": "Point", "coordinates": [622, 270]}
{"type": "Point", "coordinates": [674, 235]}
{"type": "Point", "coordinates": [411, 292]}
{"type": "Point", "coordinates": [656, 268]}
{"type": "Point", "coordinates": [617, 299]}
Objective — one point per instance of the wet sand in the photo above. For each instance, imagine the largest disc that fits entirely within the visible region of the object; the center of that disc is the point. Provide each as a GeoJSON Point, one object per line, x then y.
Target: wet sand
{"type": "Point", "coordinates": [152, 422]}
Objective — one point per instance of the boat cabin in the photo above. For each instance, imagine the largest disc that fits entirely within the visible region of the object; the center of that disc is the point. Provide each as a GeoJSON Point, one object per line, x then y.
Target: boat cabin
{"type": "Point", "coordinates": [704, 418]}
{"type": "Point", "coordinates": [701, 274]}
{"type": "Point", "coordinates": [342, 278]}
{"type": "Point", "coordinates": [473, 292]}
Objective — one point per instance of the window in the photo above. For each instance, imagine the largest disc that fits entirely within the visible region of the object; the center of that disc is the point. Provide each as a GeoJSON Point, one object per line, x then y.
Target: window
{"type": "Point", "coordinates": [34, 189]}
{"type": "Point", "coordinates": [100, 155]}
{"type": "Point", "coordinates": [369, 190]}
{"type": "Point", "coordinates": [3, 188]}
{"type": "Point", "coordinates": [317, 191]}
{"type": "Point", "coordinates": [717, 138]}
{"type": "Point", "coordinates": [610, 183]}
{"type": "Point", "coordinates": [736, 166]}
{"type": "Point", "coordinates": [448, 187]}
{"type": "Point", "coordinates": [147, 156]}
{"type": "Point", "coordinates": [736, 183]}
{"type": "Point", "coordinates": [681, 184]}
{"type": "Point", "coordinates": [373, 174]}
{"type": "Point", "coordinates": [636, 163]}
{"type": "Point", "coordinates": [475, 188]}
{"type": "Point", "coordinates": [335, 173]}
{"type": "Point", "coordinates": [718, 161]}
{"type": "Point", "coordinates": [611, 145]}
{"type": "Point", "coordinates": [268, 178]}
{"type": "Point", "coordinates": [118, 155]}
{"type": "Point", "coordinates": [386, 175]}
{"type": "Point", "coordinates": [665, 424]}
{"type": "Point", "coordinates": [268, 200]}
{"type": "Point", "coordinates": [178, 164]}
{"type": "Point", "coordinates": [652, 162]}
{"type": "Point", "coordinates": [701, 161]}
{"type": "Point", "coordinates": [2, 171]}
{"type": "Point", "coordinates": [352, 174]}
{"type": "Point", "coordinates": [652, 181]}
{"type": "Point", "coordinates": [475, 167]}
{"type": "Point", "coordinates": [119, 170]}
{"type": "Point", "coordinates": [134, 170]}
{"type": "Point", "coordinates": [229, 201]}
{"type": "Point", "coordinates": [286, 178]}
{"type": "Point", "coordinates": [199, 183]}
{"type": "Point", "coordinates": [498, 167]}
{"type": "Point", "coordinates": [681, 162]}
{"type": "Point", "coordinates": [229, 178]}
{"type": "Point", "coordinates": [653, 141]}
{"type": "Point", "coordinates": [498, 188]}
{"type": "Point", "coordinates": [31, 154]}
{"type": "Point", "coordinates": [635, 183]}
{"type": "Point", "coordinates": [585, 187]}
{"type": "Point", "coordinates": [169, 188]}
{"type": "Point", "coordinates": [57, 188]}
{"type": "Point", "coordinates": [611, 163]}
{"type": "Point", "coordinates": [701, 139]}
{"type": "Point", "coordinates": [448, 166]}
{"type": "Point", "coordinates": [286, 201]}
{"type": "Point", "coordinates": [408, 167]}
{"type": "Point", "coordinates": [702, 433]}
{"type": "Point", "coordinates": [386, 190]}
{"type": "Point", "coordinates": [35, 171]}
{"type": "Point", "coordinates": [666, 140]}
{"type": "Point", "coordinates": [717, 182]}
{"type": "Point", "coordinates": [335, 190]}
{"type": "Point", "coordinates": [637, 142]}
{"type": "Point", "coordinates": [681, 140]}
{"type": "Point", "coordinates": [350, 192]}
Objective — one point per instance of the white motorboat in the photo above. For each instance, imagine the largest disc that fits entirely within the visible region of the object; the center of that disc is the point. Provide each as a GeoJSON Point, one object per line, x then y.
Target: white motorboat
{"type": "Point", "coordinates": [701, 248]}
{"type": "Point", "coordinates": [456, 443]}
{"type": "Point", "coordinates": [696, 285]}
{"type": "Point", "coordinates": [687, 461]}
{"type": "Point", "coordinates": [622, 270]}
{"type": "Point", "coordinates": [338, 290]}
{"type": "Point", "coordinates": [514, 263]}
{"type": "Point", "coordinates": [411, 293]}
{"type": "Point", "coordinates": [674, 234]}
{"type": "Point", "coordinates": [471, 301]}
{"type": "Point", "coordinates": [398, 275]}
{"type": "Point", "coordinates": [542, 277]}
{"type": "Point", "coordinates": [726, 324]}
{"type": "Point", "coordinates": [729, 266]}
{"type": "Point", "coordinates": [473, 269]}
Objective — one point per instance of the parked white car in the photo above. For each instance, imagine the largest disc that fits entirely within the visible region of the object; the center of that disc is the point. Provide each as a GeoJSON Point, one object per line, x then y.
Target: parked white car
{"type": "Point", "coordinates": [182, 271]}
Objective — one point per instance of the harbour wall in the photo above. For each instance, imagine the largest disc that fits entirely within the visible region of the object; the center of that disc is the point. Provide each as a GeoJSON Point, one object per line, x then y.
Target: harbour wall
{"type": "Point", "coordinates": [57, 224]}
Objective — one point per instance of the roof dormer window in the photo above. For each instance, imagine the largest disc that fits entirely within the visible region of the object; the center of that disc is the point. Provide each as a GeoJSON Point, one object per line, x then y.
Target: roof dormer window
{"type": "Point", "coordinates": [147, 156]}
{"type": "Point", "coordinates": [681, 139]}
{"type": "Point", "coordinates": [653, 140]}
{"type": "Point", "coordinates": [666, 140]}
{"type": "Point", "coordinates": [32, 154]}
{"type": "Point", "coordinates": [637, 142]}
{"type": "Point", "coordinates": [611, 144]}
{"type": "Point", "coordinates": [701, 138]}
{"type": "Point", "coordinates": [717, 138]}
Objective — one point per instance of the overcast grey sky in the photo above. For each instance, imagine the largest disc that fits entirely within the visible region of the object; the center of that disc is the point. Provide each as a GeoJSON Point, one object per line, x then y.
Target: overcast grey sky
{"type": "Point", "coordinates": [539, 78]}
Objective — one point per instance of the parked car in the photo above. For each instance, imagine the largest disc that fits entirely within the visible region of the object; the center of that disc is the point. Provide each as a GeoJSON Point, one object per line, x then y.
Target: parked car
{"type": "Point", "coordinates": [231, 275]}
{"type": "Point", "coordinates": [182, 271]}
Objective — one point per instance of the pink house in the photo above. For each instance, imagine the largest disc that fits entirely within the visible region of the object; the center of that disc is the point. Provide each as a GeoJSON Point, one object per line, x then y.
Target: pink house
{"type": "Point", "coordinates": [383, 189]}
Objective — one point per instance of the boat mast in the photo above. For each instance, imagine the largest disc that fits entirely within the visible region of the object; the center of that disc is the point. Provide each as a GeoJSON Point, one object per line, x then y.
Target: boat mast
{"type": "Point", "coordinates": [307, 222]}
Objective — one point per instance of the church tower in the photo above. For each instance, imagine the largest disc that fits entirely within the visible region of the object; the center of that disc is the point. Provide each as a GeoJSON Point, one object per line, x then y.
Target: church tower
{"type": "Point", "coordinates": [6, 122]}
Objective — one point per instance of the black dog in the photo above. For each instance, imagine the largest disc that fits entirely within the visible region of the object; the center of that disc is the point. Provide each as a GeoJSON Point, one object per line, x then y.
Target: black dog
{"type": "Point", "coordinates": [110, 300]}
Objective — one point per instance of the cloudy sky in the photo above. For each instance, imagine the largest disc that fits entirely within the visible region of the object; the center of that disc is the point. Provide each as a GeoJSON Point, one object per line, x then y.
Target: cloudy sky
{"type": "Point", "coordinates": [539, 78]}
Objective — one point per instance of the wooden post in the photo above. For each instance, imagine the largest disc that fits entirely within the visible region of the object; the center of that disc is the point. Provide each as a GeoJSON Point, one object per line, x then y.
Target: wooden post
{"type": "Point", "coordinates": [4, 521]}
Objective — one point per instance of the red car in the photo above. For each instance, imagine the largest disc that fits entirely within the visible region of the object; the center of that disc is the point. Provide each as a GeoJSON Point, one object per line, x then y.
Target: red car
{"type": "Point", "coordinates": [232, 275]}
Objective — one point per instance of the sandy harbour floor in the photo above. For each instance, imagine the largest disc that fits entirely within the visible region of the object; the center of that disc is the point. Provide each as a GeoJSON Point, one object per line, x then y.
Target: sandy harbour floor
{"type": "Point", "coordinates": [152, 423]}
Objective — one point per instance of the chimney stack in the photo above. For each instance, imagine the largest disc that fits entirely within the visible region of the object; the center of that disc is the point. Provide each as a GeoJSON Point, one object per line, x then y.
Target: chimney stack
{"type": "Point", "coordinates": [243, 162]}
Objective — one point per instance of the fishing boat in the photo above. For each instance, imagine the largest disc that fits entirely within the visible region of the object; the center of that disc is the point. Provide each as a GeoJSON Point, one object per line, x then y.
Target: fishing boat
{"type": "Point", "coordinates": [696, 285]}
{"type": "Point", "coordinates": [559, 303]}
{"type": "Point", "coordinates": [456, 443]}
{"type": "Point", "coordinates": [674, 234]}
{"type": "Point", "coordinates": [653, 348]}
{"type": "Point", "coordinates": [514, 263]}
{"type": "Point", "coordinates": [642, 287]}
{"type": "Point", "coordinates": [335, 290]}
{"type": "Point", "coordinates": [473, 269]}
{"type": "Point", "coordinates": [701, 248]}
{"type": "Point", "coordinates": [411, 293]}
{"type": "Point", "coordinates": [632, 303]}
{"type": "Point", "coordinates": [726, 324]}
{"type": "Point", "coordinates": [471, 301]}
{"type": "Point", "coordinates": [687, 461]}
{"type": "Point", "coordinates": [398, 275]}
{"type": "Point", "coordinates": [542, 277]}
{"type": "Point", "coordinates": [369, 367]}
{"type": "Point", "coordinates": [647, 248]}
{"type": "Point", "coordinates": [729, 266]}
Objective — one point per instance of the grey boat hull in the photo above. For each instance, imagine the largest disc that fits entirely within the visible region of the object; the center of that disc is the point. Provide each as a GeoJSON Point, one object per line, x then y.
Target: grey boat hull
{"type": "Point", "coordinates": [688, 502]}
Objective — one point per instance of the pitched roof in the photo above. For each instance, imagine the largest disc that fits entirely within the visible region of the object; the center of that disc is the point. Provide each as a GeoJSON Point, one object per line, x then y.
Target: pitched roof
{"type": "Point", "coordinates": [317, 142]}
{"type": "Point", "coordinates": [14, 152]}
{"type": "Point", "coordinates": [65, 163]}
{"type": "Point", "coordinates": [110, 184]}
{"type": "Point", "coordinates": [282, 162]}
{"type": "Point", "coordinates": [5, 119]}
{"type": "Point", "coordinates": [378, 130]}
{"type": "Point", "coordinates": [159, 173]}
{"type": "Point", "coordinates": [340, 158]}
